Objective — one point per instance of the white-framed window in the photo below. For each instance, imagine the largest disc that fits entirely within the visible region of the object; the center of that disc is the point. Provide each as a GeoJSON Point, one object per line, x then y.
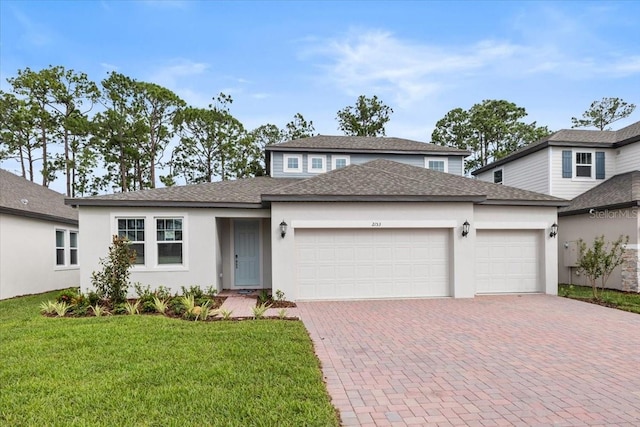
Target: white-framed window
{"type": "Point", "coordinates": [439, 164]}
{"type": "Point", "coordinates": [316, 164]}
{"type": "Point", "coordinates": [584, 164]}
{"type": "Point", "coordinates": [133, 230]}
{"type": "Point", "coordinates": [73, 248]}
{"type": "Point", "coordinates": [292, 162]}
{"type": "Point", "coordinates": [498, 176]}
{"type": "Point", "coordinates": [169, 240]}
{"type": "Point", "coordinates": [338, 162]}
{"type": "Point", "coordinates": [60, 247]}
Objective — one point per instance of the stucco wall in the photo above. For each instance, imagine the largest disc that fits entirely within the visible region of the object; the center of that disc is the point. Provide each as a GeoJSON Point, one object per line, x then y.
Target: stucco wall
{"type": "Point", "coordinates": [610, 223]}
{"type": "Point", "coordinates": [28, 257]}
{"type": "Point", "coordinates": [412, 215]}
{"type": "Point", "coordinates": [205, 247]}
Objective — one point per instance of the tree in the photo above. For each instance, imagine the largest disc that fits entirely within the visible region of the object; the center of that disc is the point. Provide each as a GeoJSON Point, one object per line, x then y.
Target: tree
{"type": "Point", "coordinates": [599, 260]}
{"type": "Point", "coordinates": [298, 128]}
{"type": "Point", "coordinates": [489, 130]}
{"type": "Point", "coordinates": [18, 138]}
{"type": "Point", "coordinates": [112, 281]}
{"type": "Point", "coordinates": [367, 118]}
{"type": "Point", "coordinates": [602, 113]}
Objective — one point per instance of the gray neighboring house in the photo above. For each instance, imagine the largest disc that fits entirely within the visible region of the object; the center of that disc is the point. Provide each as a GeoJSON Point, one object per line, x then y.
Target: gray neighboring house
{"type": "Point", "coordinates": [598, 170]}
{"type": "Point", "coordinates": [38, 238]}
{"type": "Point", "coordinates": [384, 228]}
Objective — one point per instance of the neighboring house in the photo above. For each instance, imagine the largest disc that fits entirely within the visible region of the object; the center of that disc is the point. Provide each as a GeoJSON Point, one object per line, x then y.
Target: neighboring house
{"type": "Point", "coordinates": [307, 157]}
{"type": "Point", "coordinates": [598, 170]}
{"type": "Point", "coordinates": [381, 229]}
{"type": "Point", "coordinates": [38, 239]}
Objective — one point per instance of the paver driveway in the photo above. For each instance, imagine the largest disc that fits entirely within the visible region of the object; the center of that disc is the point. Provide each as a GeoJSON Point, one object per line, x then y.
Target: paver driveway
{"type": "Point", "coordinates": [492, 360]}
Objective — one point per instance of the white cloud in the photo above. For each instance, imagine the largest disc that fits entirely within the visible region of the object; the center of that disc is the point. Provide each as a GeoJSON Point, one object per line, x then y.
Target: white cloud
{"type": "Point", "coordinates": [170, 75]}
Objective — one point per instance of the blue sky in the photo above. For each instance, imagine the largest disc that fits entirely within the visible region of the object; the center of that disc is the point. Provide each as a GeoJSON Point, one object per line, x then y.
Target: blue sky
{"type": "Point", "coordinates": [280, 58]}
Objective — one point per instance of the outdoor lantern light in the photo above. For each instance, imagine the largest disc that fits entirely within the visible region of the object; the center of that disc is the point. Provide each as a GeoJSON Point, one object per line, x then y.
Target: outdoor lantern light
{"type": "Point", "coordinates": [283, 228]}
{"type": "Point", "coordinates": [554, 230]}
{"type": "Point", "coordinates": [465, 228]}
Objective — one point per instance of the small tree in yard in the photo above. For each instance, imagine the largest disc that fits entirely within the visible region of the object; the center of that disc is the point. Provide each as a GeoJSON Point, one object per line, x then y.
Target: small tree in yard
{"type": "Point", "coordinates": [113, 281]}
{"type": "Point", "coordinates": [600, 260]}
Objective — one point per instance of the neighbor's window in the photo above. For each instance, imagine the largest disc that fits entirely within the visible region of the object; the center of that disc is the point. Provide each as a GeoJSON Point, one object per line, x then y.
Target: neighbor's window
{"type": "Point", "coordinates": [292, 162]}
{"type": "Point", "coordinates": [340, 162]}
{"type": "Point", "coordinates": [497, 176]}
{"type": "Point", "coordinates": [169, 237]}
{"type": "Point", "coordinates": [73, 247]}
{"type": "Point", "coordinates": [133, 229]}
{"type": "Point", "coordinates": [316, 164]}
{"type": "Point", "coordinates": [439, 165]}
{"type": "Point", "coordinates": [584, 165]}
{"type": "Point", "coordinates": [59, 247]}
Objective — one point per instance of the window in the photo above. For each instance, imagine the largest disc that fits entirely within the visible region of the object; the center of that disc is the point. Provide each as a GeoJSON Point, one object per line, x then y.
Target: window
{"type": "Point", "coordinates": [169, 237]}
{"type": "Point", "coordinates": [133, 230]}
{"type": "Point", "coordinates": [317, 164]}
{"type": "Point", "coordinates": [497, 176]}
{"type": "Point", "coordinates": [584, 165]}
{"type": "Point", "coordinates": [292, 162]}
{"type": "Point", "coordinates": [73, 247]}
{"type": "Point", "coordinates": [340, 161]}
{"type": "Point", "coordinates": [60, 247]}
{"type": "Point", "coordinates": [436, 164]}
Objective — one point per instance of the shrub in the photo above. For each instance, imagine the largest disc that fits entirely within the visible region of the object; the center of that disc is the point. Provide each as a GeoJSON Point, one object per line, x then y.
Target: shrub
{"type": "Point", "coordinates": [189, 304]}
{"type": "Point", "coordinates": [61, 308]}
{"type": "Point", "coordinates": [599, 260]}
{"type": "Point", "coordinates": [211, 291]}
{"type": "Point", "coordinates": [282, 313]}
{"type": "Point", "coordinates": [259, 310]}
{"type": "Point", "coordinates": [176, 306]}
{"type": "Point", "coordinates": [68, 295]}
{"type": "Point", "coordinates": [93, 298]}
{"type": "Point", "coordinates": [225, 313]}
{"type": "Point", "coordinates": [48, 307]}
{"type": "Point", "coordinates": [98, 310]}
{"type": "Point", "coordinates": [163, 293]}
{"type": "Point", "coordinates": [159, 305]}
{"type": "Point", "coordinates": [195, 291]}
{"type": "Point", "coordinates": [132, 307]}
{"type": "Point", "coordinates": [263, 296]}
{"type": "Point", "coordinates": [120, 308]}
{"type": "Point", "coordinates": [113, 281]}
{"type": "Point", "coordinates": [279, 295]}
{"type": "Point", "coordinates": [148, 307]}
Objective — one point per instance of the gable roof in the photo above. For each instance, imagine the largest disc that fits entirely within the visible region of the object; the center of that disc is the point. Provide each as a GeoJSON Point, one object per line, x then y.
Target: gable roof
{"type": "Point", "coordinates": [241, 193]}
{"type": "Point", "coordinates": [363, 144]}
{"type": "Point", "coordinates": [620, 191]}
{"type": "Point", "coordinates": [573, 138]}
{"type": "Point", "coordinates": [386, 180]}
{"type": "Point", "coordinates": [21, 197]}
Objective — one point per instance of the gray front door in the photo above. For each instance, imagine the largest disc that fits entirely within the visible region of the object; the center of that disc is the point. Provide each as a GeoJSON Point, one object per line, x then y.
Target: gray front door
{"type": "Point", "coordinates": [247, 253]}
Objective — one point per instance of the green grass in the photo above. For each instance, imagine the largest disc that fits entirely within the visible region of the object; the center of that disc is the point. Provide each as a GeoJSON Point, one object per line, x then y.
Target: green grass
{"type": "Point", "coordinates": [156, 371]}
{"type": "Point", "coordinates": [621, 300]}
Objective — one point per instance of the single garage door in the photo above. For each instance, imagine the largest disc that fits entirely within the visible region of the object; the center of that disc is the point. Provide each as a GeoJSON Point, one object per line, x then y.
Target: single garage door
{"type": "Point", "coordinates": [372, 263]}
{"type": "Point", "coordinates": [507, 261]}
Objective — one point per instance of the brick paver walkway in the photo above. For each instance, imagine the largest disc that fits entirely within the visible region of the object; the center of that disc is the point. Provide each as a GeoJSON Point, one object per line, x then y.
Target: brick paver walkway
{"type": "Point", "coordinates": [489, 361]}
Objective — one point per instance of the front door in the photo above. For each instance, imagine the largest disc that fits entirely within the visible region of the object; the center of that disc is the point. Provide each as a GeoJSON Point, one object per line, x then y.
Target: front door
{"type": "Point", "coordinates": [247, 253]}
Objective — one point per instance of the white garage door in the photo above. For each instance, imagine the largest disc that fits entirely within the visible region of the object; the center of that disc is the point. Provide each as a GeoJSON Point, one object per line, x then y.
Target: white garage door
{"type": "Point", "coordinates": [371, 263]}
{"type": "Point", "coordinates": [507, 261]}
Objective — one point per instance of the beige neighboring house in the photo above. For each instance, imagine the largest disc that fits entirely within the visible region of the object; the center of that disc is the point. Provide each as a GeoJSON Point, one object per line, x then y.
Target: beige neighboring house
{"type": "Point", "coordinates": [599, 172]}
{"type": "Point", "coordinates": [338, 218]}
{"type": "Point", "coordinates": [38, 239]}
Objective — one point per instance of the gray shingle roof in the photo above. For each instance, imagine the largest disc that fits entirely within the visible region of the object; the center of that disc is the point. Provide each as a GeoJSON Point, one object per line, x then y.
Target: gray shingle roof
{"type": "Point", "coordinates": [243, 192]}
{"type": "Point", "coordinates": [363, 144]}
{"type": "Point", "coordinates": [573, 137]}
{"type": "Point", "coordinates": [619, 191]}
{"type": "Point", "coordinates": [387, 180]}
{"type": "Point", "coordinates": [19, 196]}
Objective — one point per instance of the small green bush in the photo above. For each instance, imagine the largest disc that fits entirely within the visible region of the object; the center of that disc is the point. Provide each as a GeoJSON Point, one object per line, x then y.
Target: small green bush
{"type": "Point", "coordinates": [68, 296]}
{"type": "Point", "coordinates": [113, 280]}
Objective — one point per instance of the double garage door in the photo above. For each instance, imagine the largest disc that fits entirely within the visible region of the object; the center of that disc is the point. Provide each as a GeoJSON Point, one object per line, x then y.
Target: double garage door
{"type": "Point", "coordinates": [404, 263]}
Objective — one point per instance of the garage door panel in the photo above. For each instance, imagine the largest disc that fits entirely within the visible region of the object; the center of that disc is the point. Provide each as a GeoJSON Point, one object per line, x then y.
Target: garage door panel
{"type": "Point", "coordinates": [372, 263]}
{"type": "Point", "coordinates": [507, 261]}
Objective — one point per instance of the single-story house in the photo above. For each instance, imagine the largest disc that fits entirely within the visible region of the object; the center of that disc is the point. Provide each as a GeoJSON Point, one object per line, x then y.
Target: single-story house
{"type": "Point", "coordinates": [38, 238]}
{"type": "Point", "coordinates": [377, 229]}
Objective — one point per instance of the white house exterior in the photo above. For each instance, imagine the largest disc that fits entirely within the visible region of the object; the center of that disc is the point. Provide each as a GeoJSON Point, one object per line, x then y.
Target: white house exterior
{"type": "Point", "coordinates": [596, 170]}
{"type": "Point", "coordinates": [381, 229]}
{"type": "Point", "coordinates": [39, 247]}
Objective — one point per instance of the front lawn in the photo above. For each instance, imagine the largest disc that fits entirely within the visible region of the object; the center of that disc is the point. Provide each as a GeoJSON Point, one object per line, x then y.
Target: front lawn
{"type": "Point", "coordinates": [611, 298]}
{"type": "Point", "coordinates": [156, 371]}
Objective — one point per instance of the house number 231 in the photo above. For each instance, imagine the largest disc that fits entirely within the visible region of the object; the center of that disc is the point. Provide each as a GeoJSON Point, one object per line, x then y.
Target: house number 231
{"type": "Point", "coordinates": [376, 224]}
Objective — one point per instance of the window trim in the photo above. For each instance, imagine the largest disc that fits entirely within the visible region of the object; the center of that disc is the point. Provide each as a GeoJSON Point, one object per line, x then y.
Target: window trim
{"type": "Point", "coordinates": [161, 242]}
{"type": "Point", "coordinates": [444, 160]}
{"type": "Point", "coordinates": [285, 163]}
{"type": "Point", "coordinates": [574, 159]}
{"type": "Point", "coordinates": [310, 168]}
{"type": "Point", "coordinates": [501, 170]}
{"type": "Point", "coordinates": [334, 158]}
{"type": "Point", "coordinates": [66, 249]}
{"type": "Point", "coordinates": [145, 247]}
{"type": "Point", "coordinates": [73, 248]}
{"type": "Point", "coordinates": [62, 248]}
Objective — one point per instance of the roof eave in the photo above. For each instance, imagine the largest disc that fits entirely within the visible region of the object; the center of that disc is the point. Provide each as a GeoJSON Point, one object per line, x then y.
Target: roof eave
{"type": "Point", "coordinates": [368, 198]}
{"type": "Point", "coordinates": [160, 203]}
{"type": "Point", "coordinates": [37, 215]}
{"type": "Point", "coordinates": [524, 202]}
{"type": "Point", "coordinates": [365, 151]}
{"type": "Point", "coordinates": [581, 211]}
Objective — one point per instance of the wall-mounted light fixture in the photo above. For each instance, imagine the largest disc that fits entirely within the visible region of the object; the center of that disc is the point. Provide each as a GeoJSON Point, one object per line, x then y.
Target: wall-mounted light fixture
{"type": "Point", "coordinates": [554, 230]}
{"type": "Point", "coordinates": [465, 228]}
{"type": "Point", "coordinates": [283, 228]}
